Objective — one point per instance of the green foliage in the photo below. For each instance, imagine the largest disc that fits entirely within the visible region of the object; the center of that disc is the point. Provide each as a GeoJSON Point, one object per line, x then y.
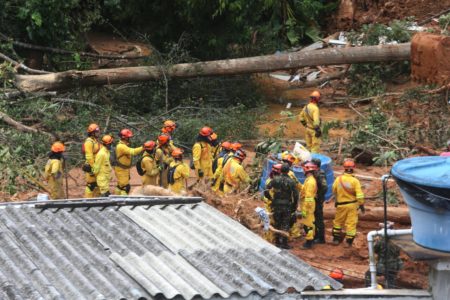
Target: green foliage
{"type": "Point", "coordinates": [326, 126]}
{"type": "Point", "coordinates": [444, 23]}
{"type": "Point", "coordinates": [370, 79]}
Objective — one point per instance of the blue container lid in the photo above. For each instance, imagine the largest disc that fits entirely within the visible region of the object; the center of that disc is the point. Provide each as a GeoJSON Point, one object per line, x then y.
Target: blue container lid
{"type": "Point", "coordinates": [432, 171]}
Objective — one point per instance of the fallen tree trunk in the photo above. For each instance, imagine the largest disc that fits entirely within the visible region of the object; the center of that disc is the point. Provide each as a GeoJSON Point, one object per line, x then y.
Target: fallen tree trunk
{"type": "Point", "coordinates": [258, 64]}
{"type": "Point", "coordinates": [399, 215]}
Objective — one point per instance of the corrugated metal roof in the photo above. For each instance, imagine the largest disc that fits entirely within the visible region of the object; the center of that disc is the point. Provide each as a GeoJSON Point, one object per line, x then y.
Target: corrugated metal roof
{"type": "Point", "coordinates": [165, 251]}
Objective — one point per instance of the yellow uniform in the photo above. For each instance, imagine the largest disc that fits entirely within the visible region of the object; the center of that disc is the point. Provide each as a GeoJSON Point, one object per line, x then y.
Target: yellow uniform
{"type": "Point", "coordinates": [233, 176]}
{"type": "Point", "coordinates": [308, 201]}
{"type": "Point", "coordinates": [217, 175]}
{"type": "Point", "coordinates": [268, 235]}
{"type": "Point", "coordinates": [202, 158]}
{"type": "Point", "coordinates": [91, 148]}
{"type": "Point", "coordinates": [348, 195]}
{"type": "Point", "coordinates": [311, 115]}
{"type": "Point", "coordinates": [180, 176]}
{"type": "Point", "coordinates": [53, 174]}
{"type": "Point", "coordinates": [150, 165]}
{"type": "Point", "coordinates": [102, 170]}
{"type": "Point", "coordinates": [122, 169]}
{"type": "Point", "coordinates": [164, 159]}
{"type": "Point", "coordinates": [295, 231]}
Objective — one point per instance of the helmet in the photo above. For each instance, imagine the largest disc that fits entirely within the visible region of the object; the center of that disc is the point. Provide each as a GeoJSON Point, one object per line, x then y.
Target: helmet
{"type": "Point", "coordinates": [92, 128]}
{"type": "Point", "coordinates": [349, 163]}
{"type": "Point", "coordinates": [289, 158]}
{"type": "Point", "coordinates": [285, 168]}
{"type": "Point", "coordinates": [240, 154]}
{"type": "Point", "coordinates": [309, 166]}
{"type": "Point", "coordinates": [337, 274]}
{"type": "Point", "coordinates": [107, 139]}
{"type": "Point", "coordinates": [226, 145]}
{"type": "Point", "coordinates": [170, 123]}
{"type": "Point", "coordinates": [163, 139]}
{"type": "Point", "coordinates": [213, 136]}
{"type": "Point", "coordinates": [236, 146]}
{"type": "Point", "coordinates": [177, 153]}
{"type": "Point", "coordinates": [126, 133]}
{"type": "Point", "coordinates": [149, 145]}
{"type": "Point", "coordinates": [206, 131]}
{"type": "Point", "coordinates": [315, 95]}
{"type": "Point", "coordinates": [58, 147]}
{"type": "Point", "coordinates": [276, 168]}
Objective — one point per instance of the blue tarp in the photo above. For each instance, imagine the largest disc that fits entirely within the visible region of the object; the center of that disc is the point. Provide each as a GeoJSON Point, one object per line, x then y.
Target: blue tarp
{"type": "Point", "coordinates": [432, 171]}
{"type": "Point", "coordinates": [327, 166]}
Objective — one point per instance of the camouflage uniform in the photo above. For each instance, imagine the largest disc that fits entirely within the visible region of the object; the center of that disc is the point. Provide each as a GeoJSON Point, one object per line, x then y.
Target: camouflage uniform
{"type": "Point", "coordinates": [284, 204]}
{"type": "Point", "coordinates": [393, 262]}
{"type": "Point", "coordinates": [318, 212]}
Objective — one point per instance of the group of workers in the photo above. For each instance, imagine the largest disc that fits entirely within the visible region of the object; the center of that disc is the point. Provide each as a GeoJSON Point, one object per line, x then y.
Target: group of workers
{"type": "Point", "coordinates": [160, 164]}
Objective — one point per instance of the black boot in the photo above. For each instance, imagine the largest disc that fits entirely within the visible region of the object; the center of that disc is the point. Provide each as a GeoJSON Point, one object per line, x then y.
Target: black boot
{"type": "Point", "coordinates": [105, 194]}
{"type": "Point", "coordinates": [307, 245]}
{"type": "Point", "coordinates": [336, 241]}
{"type": "Point", "coordinates": [319, 240]}
{"type": "Point", "coordinates": [348, 243]}
{"type": "Point", "coordinates": [284, 243]}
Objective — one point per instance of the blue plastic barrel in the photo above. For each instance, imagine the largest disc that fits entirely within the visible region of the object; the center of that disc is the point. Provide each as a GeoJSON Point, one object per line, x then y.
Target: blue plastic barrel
{"type": "Point", "coordinates": [425, 184]}
{"type": "Point", "coordinates": [326, 166]}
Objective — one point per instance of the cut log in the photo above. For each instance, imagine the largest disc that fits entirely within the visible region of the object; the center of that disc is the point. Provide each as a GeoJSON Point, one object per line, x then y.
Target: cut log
{"type": "Point", "coordinates": [399, 215]}
{"type": "Point", "coordinates": [258, 64]}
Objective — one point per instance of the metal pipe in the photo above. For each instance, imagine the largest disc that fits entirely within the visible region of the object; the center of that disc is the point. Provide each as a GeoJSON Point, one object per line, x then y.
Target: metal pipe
{"type": "Point", "coordinates": [384, 179]}
{"type": "Point", "coordinates": [370, 238]}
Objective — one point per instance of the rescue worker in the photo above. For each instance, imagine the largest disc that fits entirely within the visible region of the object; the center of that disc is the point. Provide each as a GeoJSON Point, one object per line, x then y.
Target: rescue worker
{"type": "Point", "coordinates": [387, 267]}
{"type": "Point", "coordinates": [169, 127]}
{"type": "Point", "coordinates": [178, 172]}
{"type": "Point", "coordinates": [215, 147]}
{"type": "Point", "coordinates": [308, 201]}
{"type": "Point", "coordinates": [163, 156]}
{"type": "Point", "coordinates": [447, 152]}
{"type": "Point", "coordinates": [217, 165]}
{"type": "Point", "coordinates": [102, 166]}
{"type": "Point", "coordinates": [289, 159]}
{"type": "Point", "coordinates": [319, 237]}
{"type": "Point", "coordinates": [276, 171]}
{"type": "Point", "coordinates": [310, 118]}
{"type": "Point", "coordinates": [53, 172]}
{"type": "Point", "coordinates": [123, 161]}
{"type": "Point", "coordinates": [201, 154]}
{"type": "Point", "coordinates": [348, 199]}
{"type": "Point", "coordinates": [149, 164]}
{"type": "Point", "coordinates": [91, 147]}
{"type": "Point", "coordinates": [285, 194]}
{"type": "Point", "coordinates": [234, 175]}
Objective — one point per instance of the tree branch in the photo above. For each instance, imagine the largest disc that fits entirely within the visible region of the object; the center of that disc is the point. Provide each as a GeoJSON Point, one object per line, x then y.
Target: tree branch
{"type": "Point", "coordinates": [21, 127]}
{"type": "Point", "coordinates": [21, 65]}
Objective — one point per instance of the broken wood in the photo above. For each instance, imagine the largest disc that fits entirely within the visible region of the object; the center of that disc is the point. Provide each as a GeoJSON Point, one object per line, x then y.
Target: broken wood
{"type": "Point", "coordinates": [21, 127]}
{"type": "Point", "coordinates": [274, 230]}
{"type": "Point", "coordinates": [316, 82]}
{"type": "Point", "coordinates": [399, 215]}
{"type": "Point", "coordinates": [259, 64]}
{"type": "Point", "coordinates": [21, 66]}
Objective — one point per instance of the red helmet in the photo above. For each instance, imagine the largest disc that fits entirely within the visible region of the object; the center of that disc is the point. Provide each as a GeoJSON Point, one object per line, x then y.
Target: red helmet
{"type": "Point", "coordinates": [236, 146]}
{"type": "Point", "coordinates": [206, 131]}
{"type": "Point", "coordinates": [107, 139]}
{"type": "Point", "coordinates": [337, 274]}
{"type": "Point", "coordinates": [177, 153]}
{"type": "Point", "coordinates": [349, 164]}
{"type": "Point", "coordinates": [92, 128]}
{"type": "Point", "coordinates": [149, 145]}
{"type": "Point", "coordinates": [226, 145]}
{"type": "Point", "coordinates": [240, 154]}
{"type": "Point", "coordinates": [309, 166]}
{"type": "Point", "coordinates": [125, 133]}
{"type": "Point", "coordinates": [58, 147]}
{"type": "Point", "coordinates": [276, 168]}
{"type": "Point", "coordinates": [163, 139]}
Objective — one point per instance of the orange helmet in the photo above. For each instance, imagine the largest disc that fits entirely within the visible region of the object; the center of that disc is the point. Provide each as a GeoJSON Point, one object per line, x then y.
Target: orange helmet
{"type": "Point", "coordinates": [92, 128]}
{"type": "Point", "coordinates": [240, 154]}
{"type": "Point", "coordinates": [315, 95]}
{"type": "Point", "coordinates": [289, 158]}
{"type": "Point", "coordinates": [58, 147]}
{"type": "Point", "coordinates": [149, 145]}
{"type": "Point", "coordinates": [309, 167]}
{"type": "Point", "coordinates": [236, 146]}
{"type": "Point", "coordinates": [170, 123]}
{"type": "Point", "coordinates": [107, 139]}
{"type": "Point", "coordinates": [349, 163]}
{"type": "Point", "coordinates": [337, 274]}
{"type": "Point", "coordinates": [226, 145]}
{"type": "Point", "coordinates": [276, 168]}
{"type": "Point", "coordinates": [177, 153]}
{"type": "Point", "coordinates": [206, 131]}
{"type": "Point", "coordinates": [163, 139]}
{"type": "Point", "coordinates": [126, 133]}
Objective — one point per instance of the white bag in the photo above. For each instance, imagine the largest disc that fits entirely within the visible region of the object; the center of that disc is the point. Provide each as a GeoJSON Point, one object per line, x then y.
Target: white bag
{"type": "Point", "coordinates": [301, 152]}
